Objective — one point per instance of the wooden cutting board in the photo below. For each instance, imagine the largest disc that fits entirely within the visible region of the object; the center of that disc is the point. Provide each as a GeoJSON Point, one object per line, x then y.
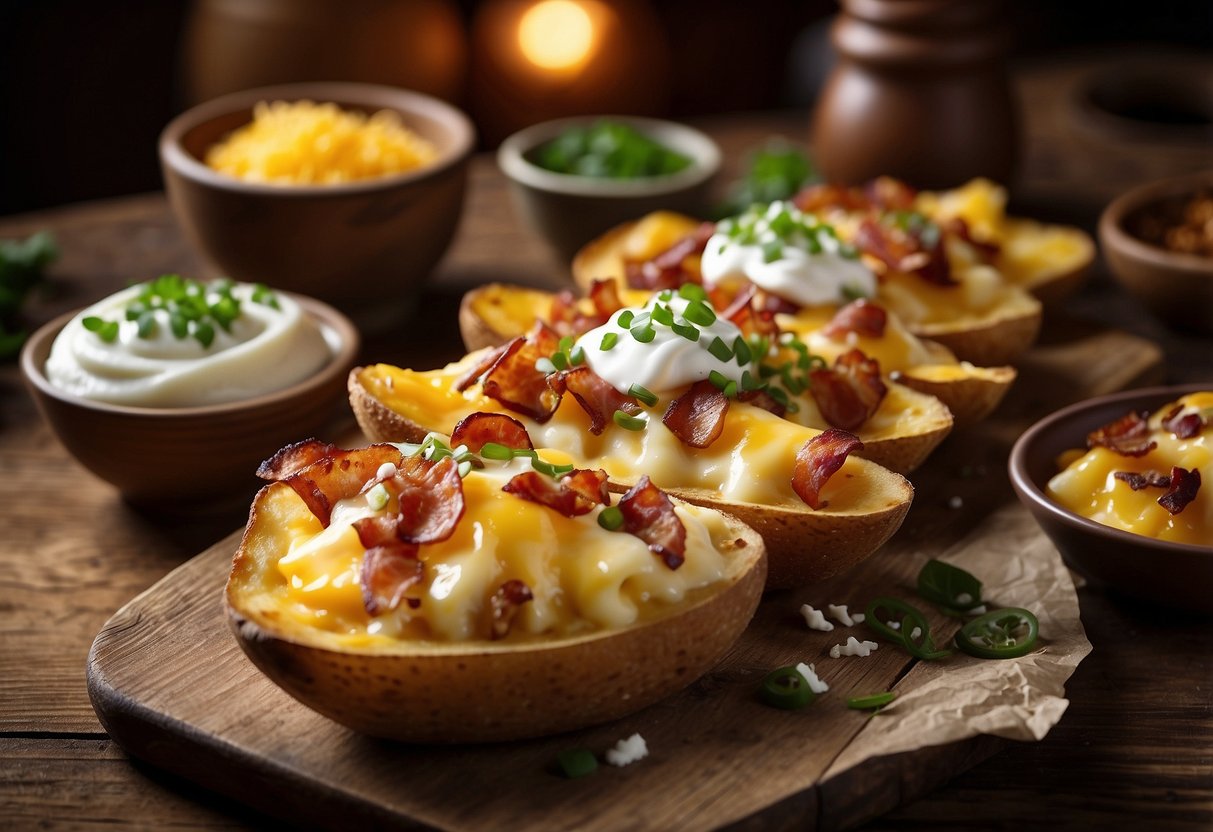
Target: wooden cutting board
{"type": "Point", "coordinates": [171, 686]}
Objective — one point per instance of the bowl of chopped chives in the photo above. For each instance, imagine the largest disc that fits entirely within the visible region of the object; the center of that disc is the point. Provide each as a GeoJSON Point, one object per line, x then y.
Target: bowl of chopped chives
{"type": "Point", "coordinates": [572, 179]}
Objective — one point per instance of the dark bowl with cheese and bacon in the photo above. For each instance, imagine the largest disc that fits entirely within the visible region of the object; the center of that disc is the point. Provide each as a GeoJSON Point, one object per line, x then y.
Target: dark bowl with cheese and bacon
{"type": "Point", "coordinates": [1123, 486]}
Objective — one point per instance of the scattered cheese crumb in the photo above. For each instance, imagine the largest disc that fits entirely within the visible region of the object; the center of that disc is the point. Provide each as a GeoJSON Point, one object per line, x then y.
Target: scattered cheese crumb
{"type": "Point", "coordinates": [964, 598]}
{"type": "Point", "coordinates": [980, 610]}
{"type": "Point", "coordinates": [894, 625]}
{"type": "Point", "coordinates": [859, 618]}
{"type": "Point", "coordinates": [839, 611]}
{"type": "Point", "coordinates": [627, 751]}
{"type": "Point", "coordinates": [956, 502]}
{"type": "Point", "coordinates": [916, 633]}
{"type": "Point", "coordinates": [386, 470]}
{"type": "Point", "coordinates": [853, 647]}
{"type": "Point", "coordinates": [809, 672]}
{"type": "Point", "coordinates": [815, 619]}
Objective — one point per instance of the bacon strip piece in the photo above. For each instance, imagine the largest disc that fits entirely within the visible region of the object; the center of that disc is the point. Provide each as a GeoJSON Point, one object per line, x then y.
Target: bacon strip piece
{"type": "Point", "coordinates": [477, 429]}
{"type": "Point", "coordinates": [294, 458]}
{"type": "Point", "coordinates": [597, 396]}
{"type": "Point", "coordinates": [822, 197]}
{"type": "Point", "coordinates": [987, 250]}
{"type": "Point", "coordinates": [336, 476]}
{"type": "Point", "coordinates": [850, 392]}
{"type": "Point", "coordinates": [752, 312]}
{"type": "Point", "coordinates": [514, 381]}
{"type": "Point", "coordinates": [1127, 436]}
{"type": "Point", "coordinates": [818, 460]}
{"type": "Point", "coordinates": [697, 416]}
{"type": "Point", "coordinates": [430, 504]}
{"type": "Point", "coordinates": [1185, 426]}
{"type": "Point", "coordinates": [504, 605]}
{"type": "Point", "coordinates": [578, 496]}
{"type": "Point", "coordinates": [649, 515]}
{"type": "Point", "coordinates": [1136, 481]}
{"type": "Point", "coordinates": [490, 358]}
{"type": "Point", "coordinates": [388, 571]}
{"type": "Point", "coordinates": [1184, 486]}
{"type": "Point", "coordinates": [863, 317]}
{"type": "Point", "coordinates": [589, 484]}
{"type": "Point", "coordinates": [906, 251]}
{"type": "Point", "coordinates": [890, 194]}
{"type": "Point", "coordinates": [566, 315]}
{"type": "Point", "coordinates": [666, 271]}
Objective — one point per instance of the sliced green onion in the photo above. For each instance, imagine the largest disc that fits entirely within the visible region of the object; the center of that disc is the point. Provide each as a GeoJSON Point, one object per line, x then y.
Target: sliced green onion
{"type": "Point", "coordinates": [577, 356]}
{"type": "Point", "coordinates": [662, 315]}
{"type": "Point", "coordinates": [687, 331]}
{"type": "Point", "coordinates": [377, 497]}
{"type": "Point", "coordinates": [719, 380]}
{"type": "Point", "coordinates": [997, 634]}
{"type": "Point", "coordinates": [549, 468]}
{"type": "Point", "coordinates": [644, 395]}
{"type": "Point", "coordinates": [610, 518]}
{"type": "Point", "coordinates": [949, 586]}
{"type": "Point", "coordinates": [730, 390]}
{"type": "Point", "coordinates": [148, 326]}
{"type": "Point", "coordinates": [876, 700]}
{"type": "Point", "coordinates": [720, 349]}
{"type": "Point", "coordinates": [772, 250]}
{"type": "Point", "coordinates": [643, 333]}
{"type": "Point", "coordinates": [785, 688]}
{"type": "Point", "coordinates": [628, 421]}
{"type": "Point", "coordinates": [495, 450]}
{"type": "Point", "coordinates": [465, 467]}
{"type": "Point", "coordinates": [609, 340]}
{"type": "Point", "coordinates": [564, 344]}
{"type": "Point", "coordinates": [625, 318]}
{"type": "Point", "coordinates": [545, 365]}
{"type": "Point", "coordinates": [559, 360]}
{"type": "Point", "coordinates": [204, 333]}
{"type": "Point", "coordinates": [698, 312]}
{"type": "Point", "coordinates": [517, 452]}
{"type": "Point", "coordinates": [107, 331]}
{"type": "Point", "coordinates": [692, 291]}
{"type": "Point", "coordinates": [577, 762]}
{"type": "Point", "coordinates": [741, 350]}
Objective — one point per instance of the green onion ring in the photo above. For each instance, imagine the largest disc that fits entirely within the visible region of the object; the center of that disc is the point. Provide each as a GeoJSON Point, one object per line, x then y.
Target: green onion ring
{"type": "Point", "coordinates": [990, 636]}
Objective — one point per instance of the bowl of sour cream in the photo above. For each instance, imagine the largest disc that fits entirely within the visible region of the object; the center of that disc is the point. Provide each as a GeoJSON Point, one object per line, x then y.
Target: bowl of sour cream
{"type": "Point", "coordinates": [174, 390]}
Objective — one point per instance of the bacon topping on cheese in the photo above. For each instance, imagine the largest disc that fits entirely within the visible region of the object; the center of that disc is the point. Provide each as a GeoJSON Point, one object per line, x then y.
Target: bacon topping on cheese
{"type": "Point", "coordinates": [574, 494]}
{"type": "Point", "coordinates": [753, 312]}
{"type": "Point", "coordinates": [848, 393]}
{"type": "Point", "coordinates": [818, 460]}
{"type": "Point", "coordinates": [430, 503]}
{"type": "Point", "coordinates": [1182, 485]}
{"type": "Point", "coordinates": [911, 248]}
{"type": "Point", "coordinates": [1184, 426]}
{"type": "Point", "coordinates": [697, 416]}
{"type": "Point", "coordinates": [597, 396]}
{"type": "Point", "coordinates": [294, 458]}
{"type": "Point", "coordinates": [668, 269]}
{"type": "Point", "coordinates": [1128, 436]}
{"type": "Point", "coordinates": [515, 382]}
{"type": "Point", "coordinates": [335, 475]}
{"type": "Point", "coordinates": [567, 317]}
{"type": "Point", "coordinates": [863, 317]}
{"type": "Point", "coordinates": [504, 605]}
{"type": "Point", "coordinates": [485, 364]}
{"type": "Point", "coordinates": [478, 429]}
{"type": "Point", "coordinates": [388, 570]}
{"type": "Point", "coordinates": [649, 515]}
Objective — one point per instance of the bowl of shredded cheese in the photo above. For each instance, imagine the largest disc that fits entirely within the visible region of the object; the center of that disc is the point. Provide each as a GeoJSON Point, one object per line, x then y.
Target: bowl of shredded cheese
{"type": "Point", "coordinates": [350, 193]}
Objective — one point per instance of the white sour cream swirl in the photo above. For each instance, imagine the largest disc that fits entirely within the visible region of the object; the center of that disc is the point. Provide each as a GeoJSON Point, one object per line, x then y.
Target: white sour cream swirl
{"type": "Point", "coordinates": [668, 362]}
{"type": "Point", "coordinates": [266, 350]}
{"type": "Point", "coordinates": [799, 274]}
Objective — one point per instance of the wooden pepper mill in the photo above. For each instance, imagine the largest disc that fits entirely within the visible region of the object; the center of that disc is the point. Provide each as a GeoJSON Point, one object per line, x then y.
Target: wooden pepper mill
{"type": "Point", "coordinates": [920, 92]}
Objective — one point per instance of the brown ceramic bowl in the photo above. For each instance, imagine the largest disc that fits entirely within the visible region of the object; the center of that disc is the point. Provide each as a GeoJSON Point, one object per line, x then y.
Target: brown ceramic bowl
{"type": "Point", "coordinates": [568, 211]}
{"type": "Point", "coordinates": [191, 459]}
{"type": "Point", "coordinates": [361, 246]}
{"type": "Point", "coordinates": [1173, 574]}
{"type": "Point", "coordinates": [1176, 287]}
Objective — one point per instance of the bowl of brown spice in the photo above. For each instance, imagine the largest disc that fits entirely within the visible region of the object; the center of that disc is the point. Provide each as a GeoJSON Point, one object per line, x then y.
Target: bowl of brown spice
{"type": "Point", "coordinates": [1158, 242]}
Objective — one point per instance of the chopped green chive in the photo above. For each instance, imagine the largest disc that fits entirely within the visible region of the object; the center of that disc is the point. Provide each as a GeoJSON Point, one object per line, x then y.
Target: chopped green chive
{"type": "Point", "coordinates": [565, 344]}
{"type": "Point", "coordinates": [687, 331]}
{"type": "Point", "coordinates": [107, 331]}
{"type": "Point", "coordinates": [772, 251]}
{"type": "Point", "coordinates": [730, 390]}
{"type": "Point", "coordinates": [377, 497]}
{"type": "Point", "coordinates": [644, 333]}
{"type": "Point", "coordinates": [559, 360]}
{"type": "Point", "coordinates": [577, 356]}
{"type": "Point", "coordinates": [720, 349]}
{"type": "Point", "coordinates": [719, 380]}
{"type": "Point", "coordinates": [495, 450]}
{"type": "Point", "coordinates": [628, 421]}
{"type": "Point", "coordinates": [609, 340]}
{"type": "Point", "coordinates": [698, 312]}
{"type": "Point", "coordinates": [610, 518]}
{"type": "Point", "coordinates": [204, 333]}
{"type": "Point", "coordinates": [692, 291]}
{"type": "Point", "coordinates": [147, 325]}
{"type": "Point", "coordinates": [545, 366]}
{"type": "Point", "coordinates": [662, 315]}
{"type": "Point", "coordinates": [550, 469]}
{"type": "Point", "coordinates": [625, 318]}
{"type": "Point", "coordinates": [742, 350]}
{"type": "Point", "coordinates": [644, 395]}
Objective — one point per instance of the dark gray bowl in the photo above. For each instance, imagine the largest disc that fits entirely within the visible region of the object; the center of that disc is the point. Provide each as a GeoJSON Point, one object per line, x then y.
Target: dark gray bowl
{"type": "Point", "coordinates": [1174, 574]}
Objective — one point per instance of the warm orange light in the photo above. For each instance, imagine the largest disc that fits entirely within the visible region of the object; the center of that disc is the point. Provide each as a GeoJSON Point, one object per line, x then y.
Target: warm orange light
{"type": "Point", "coordinates": [556, 34]}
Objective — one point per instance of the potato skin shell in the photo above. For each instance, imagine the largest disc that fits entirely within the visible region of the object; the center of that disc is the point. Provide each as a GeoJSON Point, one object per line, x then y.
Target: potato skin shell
{"type": "Point", "coordinates": [486, 691]}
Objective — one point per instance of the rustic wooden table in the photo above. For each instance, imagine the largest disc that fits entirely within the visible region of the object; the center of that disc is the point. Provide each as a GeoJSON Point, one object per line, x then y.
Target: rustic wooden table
{"type": "Point", "coordinates": [1137, 741]}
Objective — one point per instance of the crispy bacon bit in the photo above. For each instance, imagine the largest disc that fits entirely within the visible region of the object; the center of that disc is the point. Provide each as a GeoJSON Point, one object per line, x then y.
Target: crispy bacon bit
{"type": "Point", "coordinates": [890, 194]}
{"type": "Point", "coordinates": [504, 605]}
{"type": "Point", "coordinates": [589, 484]}
{"type": "Point", "coordinates": [514, 381]}
{"type": "Point", "coordinates": [697, 416]}
{"type": "Point", "coordinates": [751, 312]}
{"type": "Point", "coordinates": [906, 250]}
{"type": "Point", "coordinates": [486, 362]}
{"type": "Point", "coordinates": [649, 515]}
{"type": "Point", "coordinates": [822, 197]}
{"type": "Point", "coordinates": [294, 458]}
{"type": "Point", "coordinates": [597, 396]}
{"type": "Point", "coordinates": [430, 504]}
{"type": "Point", "coordinates": [818, 460]}
{"type": "Point", "coordinates": [764, 400]}
{"type": "Point", "coordinates": [1136, 481]}
{"type": "Point", "coordinates": [477, 429]}
{"type": "Point", "coordinates": [1183, 426]}
{"type": "Point", "coordinates": [957, 227]}
{"type": "Point", "coordinates": [604, 294]}
{"type": "Point", "coordinates": [1184, 486]}
{"type": "Point", "coordinates": [850, 392]}
{"type": "Point", "coordinates": [1127, 436]}
{"type": "Point", "coordinates": [387, 573]}
{"type": "Point", "coordinates": [338, 476]}
{"type": "Point", "coordinates": [667, 270]}
{"type": "Point", "coordinates": [571, 499]}
{"type": "Point", "coordinates": [862, 317]}
{"type": "Point", "coordinates": [567, 317]}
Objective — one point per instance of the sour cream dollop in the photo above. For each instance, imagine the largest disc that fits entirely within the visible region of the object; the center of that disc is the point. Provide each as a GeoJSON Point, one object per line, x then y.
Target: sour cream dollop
{"type": "Point", "coordinates": [266, 347]}
{"type": "Point", "coordinates": [669, 361]}
{"type": "Point", "coordinates": [787, 253]}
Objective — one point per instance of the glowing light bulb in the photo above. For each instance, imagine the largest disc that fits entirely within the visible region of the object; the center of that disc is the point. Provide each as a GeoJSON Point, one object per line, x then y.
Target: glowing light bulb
{"type": "Point", "coordinates": [556, 34]}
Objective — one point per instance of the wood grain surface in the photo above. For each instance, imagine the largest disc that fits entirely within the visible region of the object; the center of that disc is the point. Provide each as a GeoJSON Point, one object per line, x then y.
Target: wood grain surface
{"type": "Point", "coordinates": [1135, 746]}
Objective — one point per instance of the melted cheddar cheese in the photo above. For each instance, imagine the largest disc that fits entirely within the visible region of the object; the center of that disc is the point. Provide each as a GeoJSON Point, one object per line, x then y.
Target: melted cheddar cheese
{"type": "Point", "coordinates": [583, 577]}
{"type": "Point", "coordinates": [750, 462]}
{"type": "Point", "coordinates": [1088, 488]}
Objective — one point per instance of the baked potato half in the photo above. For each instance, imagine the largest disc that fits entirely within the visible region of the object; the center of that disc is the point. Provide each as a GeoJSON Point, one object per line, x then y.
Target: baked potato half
{"type": "Point", "coordinates": [466, 655]}
{"type": "Point", "coordinates": [746, 472]}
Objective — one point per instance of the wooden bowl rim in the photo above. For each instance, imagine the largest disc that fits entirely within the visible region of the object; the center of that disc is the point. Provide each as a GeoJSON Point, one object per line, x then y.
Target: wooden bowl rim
{"type": "Point", "coordinates": [1114, 236]}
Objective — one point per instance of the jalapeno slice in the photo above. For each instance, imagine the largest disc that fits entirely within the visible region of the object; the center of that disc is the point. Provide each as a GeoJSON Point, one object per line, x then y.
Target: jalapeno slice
{"type": "Point", "coordinates": [785, 688]}
{"type": "Point", "coordinates": [1003, 634]}
{"type": "Point", "coordinates": [949, 586]}
{"type": "Point", "coordinates": [913, 632]}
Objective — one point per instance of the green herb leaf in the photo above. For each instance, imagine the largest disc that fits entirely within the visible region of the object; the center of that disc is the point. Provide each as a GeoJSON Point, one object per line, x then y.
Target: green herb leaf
{"type": "Point", "coordinates": [609, 340]}
{"type": "Point", "coordinates": [642, 394]}
{"type": "Point", "coordinates": [949, 586]}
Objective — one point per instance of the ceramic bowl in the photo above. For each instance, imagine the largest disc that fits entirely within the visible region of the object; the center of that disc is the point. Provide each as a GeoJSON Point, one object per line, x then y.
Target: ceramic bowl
{"type": "Point", "coordinates": [186, 460]}
{"type": "Point", "coordinates": [361, 245]}
{"type": "Point", "coordinates": [1172, 574]}
{"type": "Point", "coordinates": [1176, 287]}
{"type": "Point", "coordinates": [568, 211]}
